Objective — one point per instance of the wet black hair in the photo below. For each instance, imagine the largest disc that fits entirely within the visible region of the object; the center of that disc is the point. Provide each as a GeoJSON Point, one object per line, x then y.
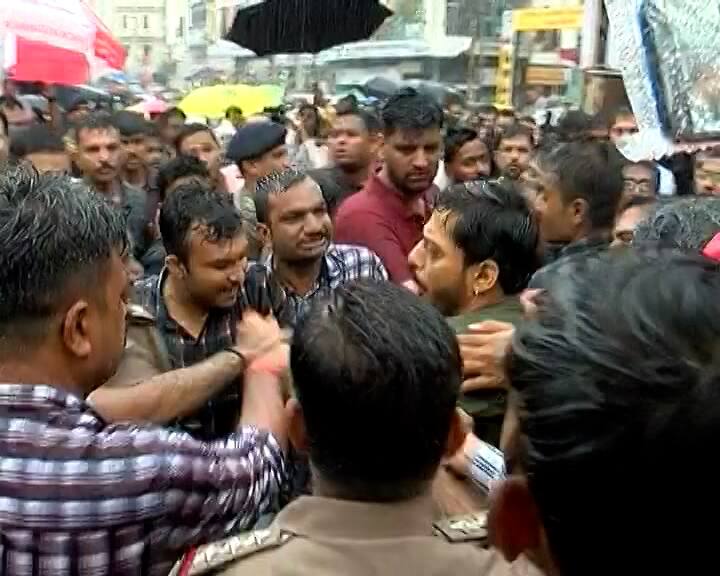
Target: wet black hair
{"type": "Point", "coordinates": [409, 109]}
{"type": "Point", "coordinates": [374, 352]}
{"type": "Point", "coordinates": [617, 376]}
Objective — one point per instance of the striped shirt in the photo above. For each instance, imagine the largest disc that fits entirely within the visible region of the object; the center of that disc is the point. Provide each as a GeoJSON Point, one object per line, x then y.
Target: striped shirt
{"type": "Point", "coordinates": [79, 497]}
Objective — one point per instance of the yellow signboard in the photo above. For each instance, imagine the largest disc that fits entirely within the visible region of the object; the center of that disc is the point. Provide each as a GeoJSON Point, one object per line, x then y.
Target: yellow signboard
{"type": "Point", "coordinates": [504, 77]}
{"type": "Point", "coordinates": [532, 19]}
{"type": "Point", "coordinates": [545, 76]}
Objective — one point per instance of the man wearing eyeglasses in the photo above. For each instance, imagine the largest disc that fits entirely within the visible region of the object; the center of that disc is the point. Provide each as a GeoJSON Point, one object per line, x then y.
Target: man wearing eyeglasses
{"type": "Point", "coordinates": [623, 125]}
{"type": "Point", "coordinates": [640, 179]}
{"type": "Point", "coordinates": [478, 252]}
{"type": "Point", "coordinates": [707, 173]}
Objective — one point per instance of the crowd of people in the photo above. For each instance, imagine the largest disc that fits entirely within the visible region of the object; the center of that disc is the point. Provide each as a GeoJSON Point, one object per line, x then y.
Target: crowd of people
{"type": "Point", "coordinates": [253, 353]}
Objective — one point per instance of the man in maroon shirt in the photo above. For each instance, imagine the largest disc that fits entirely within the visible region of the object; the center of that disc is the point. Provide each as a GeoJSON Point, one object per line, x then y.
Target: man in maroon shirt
{"type": "Point", "coordinates": [388, 215]}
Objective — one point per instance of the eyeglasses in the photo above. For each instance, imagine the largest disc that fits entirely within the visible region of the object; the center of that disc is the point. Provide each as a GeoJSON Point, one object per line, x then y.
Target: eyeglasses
{"type": "Point", "coordinates": [638, 187]}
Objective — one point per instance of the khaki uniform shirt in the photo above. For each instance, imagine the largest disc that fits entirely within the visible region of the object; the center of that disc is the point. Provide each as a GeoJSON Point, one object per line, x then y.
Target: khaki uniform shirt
{"type": "Point", "coordinates": [323, 537]}
{"type": "Point", "coordinates": [145, 353]}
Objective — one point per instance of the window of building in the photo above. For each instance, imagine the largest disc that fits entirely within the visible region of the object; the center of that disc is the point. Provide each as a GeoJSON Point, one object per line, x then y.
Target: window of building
{"type": "Point", "coordinates": [125, 22]}
{"type": "Point", "coordinates": [146, 22]}
{"type": "Point", "coordinates": [453, 17]}
{"type": "Point", "coordinates": [490, 28]}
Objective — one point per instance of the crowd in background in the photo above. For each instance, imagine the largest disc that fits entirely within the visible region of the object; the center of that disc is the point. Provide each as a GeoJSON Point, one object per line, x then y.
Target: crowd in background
{"type": "Point", "coordinates": [289, 323]}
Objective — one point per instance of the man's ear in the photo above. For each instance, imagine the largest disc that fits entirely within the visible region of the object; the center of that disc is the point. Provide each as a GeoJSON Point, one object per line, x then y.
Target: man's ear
{"type": "Point", "coordinates": [579, 212]}
{"type": "Point", "coordinates": [76, 330]}
{"type": "Point", "coordinates": [514, 521]}
{"type": "Point", "coordinates": [296, 427]}
{"type": "Point", "coordinates": [249, 168]}
{"type": "Point", "coordinates": [175, 266]}
{"type": "Point", "coordinates": [483, 277]}
{"type": "Point", "coordinates": [71, 147]}
{"type": "Point", "coordinates": [456, 436]}
{"type": "Point", "coordinates": [263, 234]}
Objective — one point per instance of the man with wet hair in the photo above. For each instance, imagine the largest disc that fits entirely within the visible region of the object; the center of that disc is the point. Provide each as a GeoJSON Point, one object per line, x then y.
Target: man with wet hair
{"type": "Point", "coordinates": [376, 373]}
{"type": "Point", "coordinates": [618, 379]}
{"type": "Point", "coordinates": [478, 252]}
{"type": "Point", "coordinates": [294, 224]}
{"type": "Point", "coordinates": [81, 495]}
{"type": "Point", "coordinates": [388, 215]}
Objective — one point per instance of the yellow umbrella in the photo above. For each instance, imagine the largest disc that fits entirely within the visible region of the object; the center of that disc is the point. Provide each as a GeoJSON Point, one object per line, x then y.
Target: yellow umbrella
{"type": "Point", "coordinates": [213, 101]}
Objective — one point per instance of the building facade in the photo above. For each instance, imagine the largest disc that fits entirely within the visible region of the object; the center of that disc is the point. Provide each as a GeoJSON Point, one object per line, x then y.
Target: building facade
{"type": "Point", "coordinates": [141, 27]}
{"type": "Point", "coordinates": [154, 33]}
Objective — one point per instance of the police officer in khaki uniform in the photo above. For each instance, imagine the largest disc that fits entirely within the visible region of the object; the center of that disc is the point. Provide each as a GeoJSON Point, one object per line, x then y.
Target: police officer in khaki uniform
{"type": "Point", "coordinates": [377, 374]}
{"type": "Point", "coordinates": [145, 354]}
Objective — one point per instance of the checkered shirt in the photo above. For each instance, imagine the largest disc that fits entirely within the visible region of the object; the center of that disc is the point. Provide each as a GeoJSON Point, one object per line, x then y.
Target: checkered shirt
{"type": "Point", "coordinates": [79, 497]}
{"type": "Point", "coordinates": [341, 264]}
{"type": "Point", "coordinates": [218, 417]}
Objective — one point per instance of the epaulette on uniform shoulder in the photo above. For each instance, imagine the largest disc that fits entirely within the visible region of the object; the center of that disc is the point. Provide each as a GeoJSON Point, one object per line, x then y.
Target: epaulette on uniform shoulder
{"type": "Point", "coordinates": [136, 314]}
{"type": "Point", "coordinates": [467, 528]}
{"type": "Point", "coordinates": [211, 557]}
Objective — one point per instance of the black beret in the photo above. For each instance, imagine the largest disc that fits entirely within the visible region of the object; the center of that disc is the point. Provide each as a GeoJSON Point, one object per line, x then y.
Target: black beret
{"type": "Point", "coordinates": [254, 139]}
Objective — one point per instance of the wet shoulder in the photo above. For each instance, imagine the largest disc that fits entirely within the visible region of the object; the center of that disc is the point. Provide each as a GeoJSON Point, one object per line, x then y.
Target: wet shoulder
{"type": "Point", "coordinates": [143, 299]}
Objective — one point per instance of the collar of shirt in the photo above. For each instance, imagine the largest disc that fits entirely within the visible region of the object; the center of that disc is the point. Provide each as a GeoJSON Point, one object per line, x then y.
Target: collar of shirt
{"type": "Point", "coordinates": [118, 195]}
{"type": "Point", "coordinates": [330, 273]}
{"type": "Point", "coordinates": [336, 173]}
{"type": "Point", "coordinates": [509, 309]}
{"type": "Point", "coordinates": [413, 208]}
{"type": "Point", "coordinates": [156, 306]}
{"type": "Point", "coordinates": [162, 315]}
{"type": "Point", "coordinates": [317, 517]}
{"type": "Point", "coordinates": [65, 409]}
{"type": "Point", "coordinates": [587, 243]}
{"type": "Point", "coordinates": [333, 267]}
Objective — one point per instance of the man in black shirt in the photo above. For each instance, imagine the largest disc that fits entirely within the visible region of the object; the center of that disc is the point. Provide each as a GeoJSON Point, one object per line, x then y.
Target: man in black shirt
{"type": "Point", "coordinates": [579, 188]}
{"type": "Point", "coordinates": [354, 143]}
{"type": "Point", "coordinates": [136, 169]}
{"type": "Point", "coordinates": [97, 152]}
{"type": "Point", "coordinates": [186, 319]}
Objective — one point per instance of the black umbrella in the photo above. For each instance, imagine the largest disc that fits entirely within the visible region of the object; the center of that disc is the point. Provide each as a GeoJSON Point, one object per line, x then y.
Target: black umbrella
{"type": "Point", "coordinates": [379, 87]}
{"type": "Point", "coordinates": [298, 26]}
{"type": "Point", "coordinates": [437, 90]}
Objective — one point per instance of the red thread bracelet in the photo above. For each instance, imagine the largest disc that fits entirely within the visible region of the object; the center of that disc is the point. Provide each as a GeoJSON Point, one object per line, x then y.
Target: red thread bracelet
{"type": "Point", "coordinates": [266, 366]}
{"type": "Point", "coordinates": [187, 562]}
